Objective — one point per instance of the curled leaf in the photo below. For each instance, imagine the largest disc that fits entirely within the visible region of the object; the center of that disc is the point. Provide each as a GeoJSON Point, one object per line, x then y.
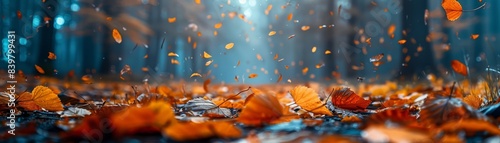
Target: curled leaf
{"type": "Point", "coordinates": [308, 99]}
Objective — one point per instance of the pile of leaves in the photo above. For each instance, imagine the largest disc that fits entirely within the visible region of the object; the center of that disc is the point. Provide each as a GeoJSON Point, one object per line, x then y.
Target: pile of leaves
{"type": "Point", "coordinates": [195, 112]}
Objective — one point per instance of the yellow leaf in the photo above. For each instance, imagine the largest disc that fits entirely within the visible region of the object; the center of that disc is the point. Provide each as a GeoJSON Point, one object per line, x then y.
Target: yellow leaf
{"type": "Point", "coordinates": [172, 54]}
{"type": "Point", "coordinates": [309, 100]}
{"type": "Point", "coordinates": [271, 33]}
{"type": "Point", "coordinates": [229, 46]}
{"type": "Point", "coordinates": [117, 36]}
{"type": "Point", "coordinates": [45, 98]}
{"type": "Point", "coordinates": [206, 55]}
{"type": "Point", "coordinates": [218, 25]}
{"type": "Point", "coordinates": [195, 74]}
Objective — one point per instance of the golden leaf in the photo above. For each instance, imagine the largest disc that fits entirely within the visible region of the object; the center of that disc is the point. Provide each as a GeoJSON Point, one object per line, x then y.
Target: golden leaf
{"type": "Point", "coordinates": [271, 33]}
{"type": "Point", "coordinates": [309, 100]}
{"type": "Point", "coordinates": [206, 55]}
{"type": "Point", "coordinates": [229, 46]}
{"type": "Point", "coordinates": [45, 98]}
{"type": "Point", "coordinates": [117, 36]}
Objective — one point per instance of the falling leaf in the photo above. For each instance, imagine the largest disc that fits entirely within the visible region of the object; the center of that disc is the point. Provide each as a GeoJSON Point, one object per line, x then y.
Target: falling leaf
{"type": "Point", "coordinates": [276, 56]}
{"type": "Point", "coordinates": [117, 36]}
{"type": "Point", "coordinates": [174, 61]}
{"type": "Point", "coordinates": [45, 98]}
{"type": "Point", "coordinates": [313, 49]}
{"type": "Point", "coordinates": [402, 41]}
{"type": "Point", "coordinates": [172, 19]}
{"type": "Point", "coordinates": [172, 54]}
{"type": "Point", "coordinates": [304, 70]}
{"type": "Point", "coordinates": [426, 16]}
{"type": "Point", "coordinates": [452, 8]}
{"type": "Point", "coordinates": [195, 74]}
{"type": "Point", "coordinates": [259, 57]}
{"type": "Point", "coordinates": [39, 69]}
{"type": "Point", "coordinates": [291, 36]}
{"type": "Point", "coordinates": [271, 33]}
{"type": "Point", "coordinates": [369, 41]}
{"type": "Point", "coordinates": [328, 52]}
{"type": "Point", "coordinates": [252, 75]}
{"type": "Point", "coordinates": [197, 1]}
{"type": "Point", "coordinates": [459, 67]}
{"type": "Point", "coordinates": [391, 30]}
{"type": "Point", "coordinates": [261, 108]}
{"type": "Point", "coordinates": [289, 17]}
{"type": "Point", "coordinates": [229, 46]}
{"type": "Point", "coordinates": [280, 77]}
{"type": "Point", "coordinates": [206, 55]}
{"type": "Point", "coordinates": [305, 28]}
{"type": "Point", "coordinates": [209, 62]}
{"type": "Point", "coordinates": [87, 78]}
{"type": "Point", "coordinates": [345, 98]}
{"type": "Point", "coordinates": [309, 100]}
{"type": "Point", "coordinates": [146, 56]}
{"type": "Point", "coordinates": [125, 69]}
{"type": "Point", "coordinates": [52, 56]}
{"type": "Point", "coordinates": [218, 25]}
{"type": "Point", "coordinates": [19, 14]}
{"type": "Point", "coordinates": [474, 36]}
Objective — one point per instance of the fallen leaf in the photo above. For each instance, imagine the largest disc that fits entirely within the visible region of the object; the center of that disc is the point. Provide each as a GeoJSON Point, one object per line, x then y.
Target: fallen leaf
{"type": "Point", "coordinates": [185, 132]}
{"type": "Point", "coordinates": [309, 100]}
{"type": "Point", "coordinates": [45, 98]}
{"type": "Point", "coordinates": [345, 98]}
{"type": "Point", "coordinates": [260, 109]}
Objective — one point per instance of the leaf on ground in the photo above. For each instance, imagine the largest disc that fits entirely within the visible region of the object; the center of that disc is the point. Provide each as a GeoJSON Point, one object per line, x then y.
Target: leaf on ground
{"type": "Point", "coordinates": [25, 101]}
{"type": "Point", "coordinates": [45, 98]}
{"type": "Point", "coordinates": [381, 133]}
{"type": "Point", "coordinates": [309, 100]}
{"type": "Point", "coordinates": [345, 98]}
{"type": "Point", "coordinates": [260, 109]}
{"type": "Point", "coordinates": [133, 120]}
{"type": "Point", "coordinates": [470, 125]}
{"type": "Point", "coordinates": [194, 131]}
{"type": "Point", "coordinates": [397, 115]}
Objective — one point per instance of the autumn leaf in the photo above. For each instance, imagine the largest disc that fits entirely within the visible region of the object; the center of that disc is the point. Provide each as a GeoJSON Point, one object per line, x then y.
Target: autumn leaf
{"type": "Point", "coordinates": [39, 69]}
{"type": "Point", "coordinates": [25, 100]}
{"type": "Point", "coordinates": [289, 17]}
{"type": "Point", "coordinates": [52, 56]}
{"type": "Point", "coordinates": [218, 25]}
{"type": "Point", "coordinates": [252, 75]}
{"type": "Point", "coordinates": [351, 119]}
{"type": "Point", "coordinates": [397, 115]}
{"type": "Point", "coordinates": [117, 36]}
{"type": "Point", "coordinates": [345, 98]}
{"type": "Point", "coordinates": [229, 46]}
{"type": "Point", "coordinates": [172, 19]}
{"type": "Point", "coordinates": [452, 8]}
{"type": "Point", "coordinates": [474, 36]}
{"type": "Point", "coordinates": [470, 125]}
{"type": "Point", "coordinates": [260, 109]}
{"type": "Point", "coordinates": [133, 120]}
{"type": "Point", "coordinates": [474, 101]}
{"type": "Point", "coordinates": [45, 98]}
{"type": "Point", "coordinates": [309, 100]}
{"type": "Point", "coordinates": [164, 113]}
{"type": "Point", "coordinates": [271, 33]}
{"type": "Point", "coordinates": [206, 55]}
{"type": "Point", "coordinates": [459, 67]}
{"type": "Point", "coordinates": [195, 131]}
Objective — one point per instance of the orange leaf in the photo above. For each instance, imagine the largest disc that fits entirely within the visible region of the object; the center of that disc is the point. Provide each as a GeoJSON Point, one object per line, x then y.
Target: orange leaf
{"type": "Point", "coordinates": [471, 125]}
{"type": "Point", "coordinates": [164, 113]}
{"type": "Point", "coordinates": [117, 36]}
{"type": "Point", "coordinates": [261, 108]}
{"type": "Point", "coordinates": [308, 99]}
{"type": "Point", "coordinates": [25, 100]}
{"type": "Point", "coordinates": [45, 98]}
{"type": "Point", "coordinates": [351, 119]}
{"type": "Point", "coordinates": [459, 67]}
{"type": "Point", "coordinates": [172, 19]}
{"type": "Point", "coordinates": [132, 120]}
{"type": "Point", "coordinates": [39, 69]}
{"type": "Point", "coordinates": [289, 17]}
{"type": "Point", "coordinates": [345, 98]}
{"type": "Point", "coordinates": [218, 25]}
{"type": "Point", "coordinates": [195, 131]}
{"type": "Point", "coordinates": [253, 75]}
{"type": "Point", "coordinates": [52, 56]}
{"type": "Point", "coordinates": [452, 8]}
{"type": "Point", "coordinates": [474, 36]}
{"type": "Point", "coordinates": [397, 115]}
